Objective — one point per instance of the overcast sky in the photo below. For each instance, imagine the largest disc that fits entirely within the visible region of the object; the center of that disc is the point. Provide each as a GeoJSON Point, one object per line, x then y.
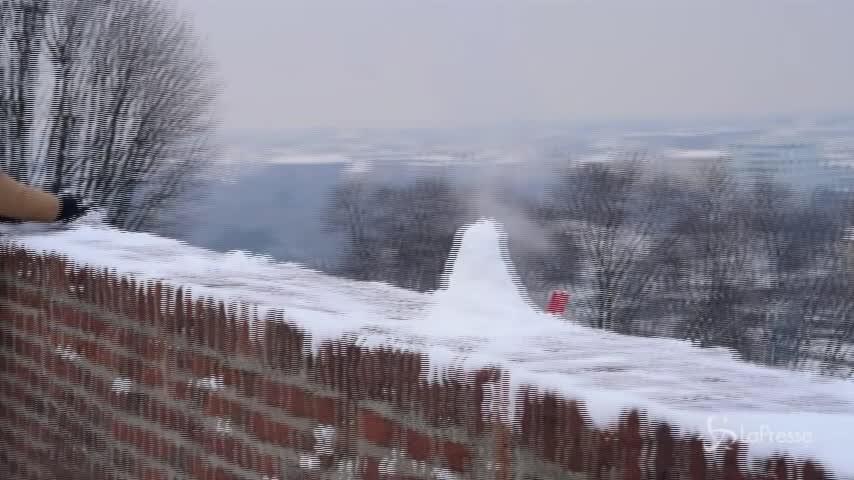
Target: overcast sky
{"type": "Point", "coordinates": [414, 63]}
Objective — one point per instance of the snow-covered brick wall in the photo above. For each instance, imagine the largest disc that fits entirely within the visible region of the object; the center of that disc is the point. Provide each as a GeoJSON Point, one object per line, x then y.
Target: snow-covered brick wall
{"type": "Point", "coordinates": [131, 356]}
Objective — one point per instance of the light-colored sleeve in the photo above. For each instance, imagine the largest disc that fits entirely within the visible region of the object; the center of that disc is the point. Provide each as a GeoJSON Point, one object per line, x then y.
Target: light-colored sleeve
{"type": "Point", "coordinates": [26, 203]}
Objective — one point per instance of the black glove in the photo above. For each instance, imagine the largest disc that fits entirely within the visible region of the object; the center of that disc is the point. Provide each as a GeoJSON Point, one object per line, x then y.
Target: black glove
{"type": "Point", "coordinates": [71, 208]}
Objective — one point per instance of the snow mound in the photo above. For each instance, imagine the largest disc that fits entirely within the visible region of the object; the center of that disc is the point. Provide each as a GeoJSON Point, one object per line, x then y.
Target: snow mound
{"type": "Point", "coordinates": [480, 294]}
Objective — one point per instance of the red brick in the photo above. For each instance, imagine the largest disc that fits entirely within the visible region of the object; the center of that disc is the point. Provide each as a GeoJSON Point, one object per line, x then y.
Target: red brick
{"type": "Point", "coordinates": [152, 474]}
{"type": "Point", "coordinates": [664, 452]}
{"type": "Point", "coordinates": [298, 401]}
{"type": "Point", "coordinates": [200, 365]}
{"type": "Point", "coordinates": [696, 459]}
{"type": "Point", "coordinates": [198, 468]}
{"type": "Point", "coordinates": [216, 406]}
{"type": "Point", "coordinates": [370, 468]}
{"type": "Point", "coordinates": [325, 410]}
{"type": "Point", "coordinates": [732, 470]}
{"type": "Point", "coordinates": [418, 445]}
{"type": "Point", "coordinates": [272, 393]}
{"type": "Point", "coordinates": [282, 434]}
{"type": "Point", "coordinates": [456, 455]}
{"type": "Point", "coordinates": [180, 390]}
{"type": "Point", "coordinates": [151, 376]}
{"type": "Point", "coordinates": [777, 468]}
{"type": "Point", "coordinates": [375, 428]}
{"type": "Point", "coordinates": [269, 465]}
{"type": "Point", "coordinates": [631, 445]}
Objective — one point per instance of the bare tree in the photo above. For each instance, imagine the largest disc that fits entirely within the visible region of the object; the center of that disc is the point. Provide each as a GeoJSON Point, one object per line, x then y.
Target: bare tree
{"type": "Point", "coordinates": [118, 102]}
{"type": "Point", "coordinates": [716, 244]}
{"type": "Point", "coordinates": [350, 211]}
{"type": "Point", "coordinates": [617, 217]}
{"type": "Point", "coordinates": [759, 270]}
{"type": "Point", "coordinates": [828, 299]}
{"type": "Point", "coordinates": [546, 258]}
{"type": "Point", "coordinates": [417, 224]}
{"type": "Point", "coordinates": [398, 234]}
{"type": "Point", "coordinates": [789, 297]}
{"type": "Point", "coordinates": [20, 48]}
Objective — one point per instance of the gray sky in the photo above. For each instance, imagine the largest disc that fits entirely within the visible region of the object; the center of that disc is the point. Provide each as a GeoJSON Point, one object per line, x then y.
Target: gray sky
{"type": "Point", "coordinates": [414, 63]}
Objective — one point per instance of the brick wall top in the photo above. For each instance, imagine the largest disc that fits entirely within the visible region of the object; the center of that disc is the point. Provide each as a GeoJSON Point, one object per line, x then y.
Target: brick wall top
{"type": "Point", "coordinates": [696, 389]}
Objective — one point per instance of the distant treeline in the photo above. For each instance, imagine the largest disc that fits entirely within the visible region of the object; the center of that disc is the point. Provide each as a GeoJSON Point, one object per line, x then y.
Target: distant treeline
{"type": "Point", "coordinates": [751, 265]}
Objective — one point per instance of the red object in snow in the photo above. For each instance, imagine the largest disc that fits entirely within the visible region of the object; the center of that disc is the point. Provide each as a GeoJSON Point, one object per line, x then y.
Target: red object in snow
{"type": "Point", "coordinates": [557, 303]}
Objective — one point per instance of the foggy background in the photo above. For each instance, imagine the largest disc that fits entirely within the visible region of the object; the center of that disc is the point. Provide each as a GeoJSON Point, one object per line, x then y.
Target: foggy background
{"type": "Point", "coordinates": [432, 63]}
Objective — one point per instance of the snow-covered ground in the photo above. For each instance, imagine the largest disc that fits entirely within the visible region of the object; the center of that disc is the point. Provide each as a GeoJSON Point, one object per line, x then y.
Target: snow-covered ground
{"type": "Point", "coordinates": [480, 317]}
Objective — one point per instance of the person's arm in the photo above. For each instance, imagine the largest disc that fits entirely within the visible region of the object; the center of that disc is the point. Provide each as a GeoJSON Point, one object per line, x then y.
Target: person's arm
{"type": "Point", "coordinates": [22, 202]}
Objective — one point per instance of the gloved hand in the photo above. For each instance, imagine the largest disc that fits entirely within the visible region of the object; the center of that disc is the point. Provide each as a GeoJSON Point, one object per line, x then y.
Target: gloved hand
{"type": "Point", "coordinates": [71, 208]}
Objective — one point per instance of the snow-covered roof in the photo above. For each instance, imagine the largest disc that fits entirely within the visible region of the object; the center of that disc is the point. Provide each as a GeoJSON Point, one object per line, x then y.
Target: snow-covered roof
{"type": "Point", "coordinates": [481, 318]}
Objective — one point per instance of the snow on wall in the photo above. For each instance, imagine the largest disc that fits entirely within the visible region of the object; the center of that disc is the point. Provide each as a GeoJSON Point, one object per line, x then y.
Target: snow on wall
{"type": "Point", "coordinates": [481, 318]}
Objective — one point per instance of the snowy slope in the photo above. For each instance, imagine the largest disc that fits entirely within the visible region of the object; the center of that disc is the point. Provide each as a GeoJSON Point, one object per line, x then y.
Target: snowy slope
{"type": "Point", "coordinates": [481, 318]}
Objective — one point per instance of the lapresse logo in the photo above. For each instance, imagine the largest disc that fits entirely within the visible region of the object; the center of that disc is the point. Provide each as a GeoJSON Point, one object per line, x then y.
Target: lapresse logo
{"type": "Point", "coordinates": [722, 434]}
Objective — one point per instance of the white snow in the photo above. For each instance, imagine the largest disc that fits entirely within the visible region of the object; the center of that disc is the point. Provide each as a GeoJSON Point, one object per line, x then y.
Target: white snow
{"type": "Point", "coordinates": [210, 383]}
{"type": "Point", "coordinates": [298, 158]}
{"type": "Point", "coordinates": [482, 318]}
{"type": "Point", "coordinates": [480, 288]}
{"type": "Point", "coordinates": [601, 157]}
{"type": "Point", "coordinates": [67, 352]}
{"type": "Point", "coordinates": [698, 154]}
{"type": "Point", "coordinates": [324, 439]}
{"type": "Point", "coordinates": [437, 159]}
{"type": "Point", "coordinates": [223, 425]}
{"type": "Point", "coordinates": [122, 385]}
{"type": "Point", "coordinates": [359, 167]}
{"type": "Point", "coordinates": [309, 461]}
